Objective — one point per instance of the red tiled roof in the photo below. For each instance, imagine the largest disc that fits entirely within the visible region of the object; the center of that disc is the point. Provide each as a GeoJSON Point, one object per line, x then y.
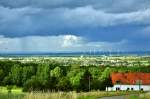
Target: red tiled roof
{"type": "Point", "coordinates": [131, 78]}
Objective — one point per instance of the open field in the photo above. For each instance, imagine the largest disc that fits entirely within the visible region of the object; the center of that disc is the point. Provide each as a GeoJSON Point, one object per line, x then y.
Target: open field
{"type": "Point", "coordinates": [61, 95]}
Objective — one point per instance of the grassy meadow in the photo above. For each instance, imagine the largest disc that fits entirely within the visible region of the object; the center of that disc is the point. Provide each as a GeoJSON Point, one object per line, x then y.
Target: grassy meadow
{"type": "Point", "coordinates": [17, 93]}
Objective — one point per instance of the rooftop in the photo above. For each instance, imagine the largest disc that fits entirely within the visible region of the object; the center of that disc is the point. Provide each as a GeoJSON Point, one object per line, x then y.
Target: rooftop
{"type": "Point", "coordinates": [131, 78]}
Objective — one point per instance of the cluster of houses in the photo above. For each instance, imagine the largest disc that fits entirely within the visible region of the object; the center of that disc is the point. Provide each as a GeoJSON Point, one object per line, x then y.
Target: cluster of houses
{"type": "Point", "coordinates": [130, 81]}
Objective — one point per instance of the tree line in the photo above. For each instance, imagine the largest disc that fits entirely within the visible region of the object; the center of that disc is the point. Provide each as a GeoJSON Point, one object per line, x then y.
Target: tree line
{"type": "Point", "coordinates": [53, 76]}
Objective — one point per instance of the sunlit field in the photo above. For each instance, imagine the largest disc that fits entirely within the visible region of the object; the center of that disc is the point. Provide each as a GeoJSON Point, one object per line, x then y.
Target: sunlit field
{"type": "Point", "coordinates": [16, 93]}
{"type": "Point", "coordinates": [15, 90]}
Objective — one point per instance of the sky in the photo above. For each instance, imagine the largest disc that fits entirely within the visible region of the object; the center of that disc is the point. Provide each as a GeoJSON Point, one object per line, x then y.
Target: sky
{"type": "Point", "coordinates": [74, 25]}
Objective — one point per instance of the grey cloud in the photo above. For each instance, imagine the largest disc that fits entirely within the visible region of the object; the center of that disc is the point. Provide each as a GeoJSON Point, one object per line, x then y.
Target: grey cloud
{"type": "Point", "coordinates": [96, 20]}
{"type": "Point", "coordinates": [105, 5]}
{"type": "Point", "coordinates": [39, 3]}
{"type": "Point", "coordinates": [38, 21]}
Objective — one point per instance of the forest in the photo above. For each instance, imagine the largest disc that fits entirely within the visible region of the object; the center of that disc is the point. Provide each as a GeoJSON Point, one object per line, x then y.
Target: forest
{"type": "Point", "coordinates": [53, 76]}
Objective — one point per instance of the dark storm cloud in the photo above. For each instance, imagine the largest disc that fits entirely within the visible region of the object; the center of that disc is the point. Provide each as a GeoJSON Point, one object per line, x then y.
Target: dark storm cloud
{"type": "Point", "coordinates": [95, 20]}
{"type": "Point", "coordinates": [107, 5]}
{"type": "Point", "coordinates": [81, 21]}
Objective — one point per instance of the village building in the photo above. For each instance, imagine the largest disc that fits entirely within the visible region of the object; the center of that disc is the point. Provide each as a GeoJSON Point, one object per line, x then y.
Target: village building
{"type": "Point", "coordinates": [130, 81]}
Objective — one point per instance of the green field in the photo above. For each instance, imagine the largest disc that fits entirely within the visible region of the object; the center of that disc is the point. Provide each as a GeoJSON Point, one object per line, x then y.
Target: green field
{"type": "Point", "coordinates": [11, 96]}
{"type": "Point", "coordinates": [17, 93]}
{"type": "Point", "coordinates": [15, 90]}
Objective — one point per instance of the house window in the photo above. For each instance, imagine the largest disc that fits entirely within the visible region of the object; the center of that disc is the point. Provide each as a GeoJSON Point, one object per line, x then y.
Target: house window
{"type": "Point", "coordinates": [132, 89]}
{"type": "Point", "coordinates": [117, 88]}
{"type": "Point", "coordinates": [128, 89]}
{"type": "Point", "coordinates": [141, 89]}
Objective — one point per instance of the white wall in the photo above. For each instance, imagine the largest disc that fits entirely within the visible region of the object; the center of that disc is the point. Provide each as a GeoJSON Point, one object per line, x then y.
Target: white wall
{"type": "Point", "coordinates": [124, 87]}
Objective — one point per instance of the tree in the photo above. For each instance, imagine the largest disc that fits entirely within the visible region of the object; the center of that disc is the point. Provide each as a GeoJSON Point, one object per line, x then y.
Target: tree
{"type": "Point", "coordinates": [85, 81]}
{"type": "Point", "coordinates": [64, 84]}
{"type": "Point", "coordinates": [55, 75]}
{"type": "Point", "coordinates": [27, 73]}
{"type": "Point", "coordinates": [1, 76]}
{"type": "Point", "coordinates": [7, 80]}
{"type": "Point", "coordinates": [95, 72]}
{"type": "Point", "coordinates": [32, 84]}
{"type": "Point", "coordinates": [16, 75]}
{"type": "Point", "coordinates": [105, 77]}
{"type": "Point", "coordinates": [106, 73]}
{"type": "Point", "coordinates": [97, 84]}
{"type": "Point", "coordinates": [56, 72]}
{"type": "Point", "coordinates": [43, 73]}
{"type": "Point", "coordinates": [74, 78]}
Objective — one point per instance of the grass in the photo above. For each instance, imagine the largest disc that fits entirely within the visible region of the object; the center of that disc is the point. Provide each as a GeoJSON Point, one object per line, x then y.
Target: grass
{"type": "Point", "coordinates": [134, 97]}
{"type": "Point", "coordinates": [18, 94]}
{"type": "Point", "coordinates": [145, 96]}
{"type": "Point", "coordinates": [74, 95]}
{"type": "Point", "coordinates": [11, 96]}
{"type": "Point", "coordinates": [88, 97]}
{"type": "Point", "coordinates": [141, 96]}
{"type": "Point", "coordinates": [15, 90]}
{"type": "Point", "coordinates": [99, 94]}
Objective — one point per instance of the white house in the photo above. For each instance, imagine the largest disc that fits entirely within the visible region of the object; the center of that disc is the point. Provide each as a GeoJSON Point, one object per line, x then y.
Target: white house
{"type": "Point", "coordinates": [130, 81]}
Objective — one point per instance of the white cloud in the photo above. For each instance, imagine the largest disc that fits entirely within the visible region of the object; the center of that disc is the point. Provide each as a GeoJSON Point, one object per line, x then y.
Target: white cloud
{"type": "Point", "coordinates": [71, 40]}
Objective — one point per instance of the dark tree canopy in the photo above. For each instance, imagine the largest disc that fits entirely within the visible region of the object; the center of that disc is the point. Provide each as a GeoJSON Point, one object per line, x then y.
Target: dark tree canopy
{"type": "Point", "coordinates": [54, 76]}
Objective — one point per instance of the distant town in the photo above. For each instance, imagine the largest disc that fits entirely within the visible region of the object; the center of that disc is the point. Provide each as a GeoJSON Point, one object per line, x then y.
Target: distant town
{"type": "Point", "coordinates": [85, 60]}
